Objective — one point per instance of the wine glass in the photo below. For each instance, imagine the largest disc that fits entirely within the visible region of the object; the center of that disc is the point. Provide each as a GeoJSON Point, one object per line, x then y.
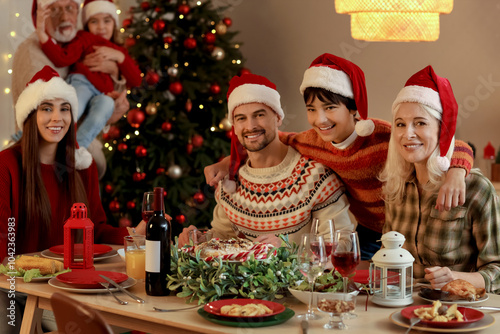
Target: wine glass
{"type": "Point", "coordinates": [346, 255]}
{"type": "Point", "coordinates": [338, 305]}
{"type": "Point", "coordinates": [147, 205]}
{"type": "Point", "coordinates": [326, 228]}
{"type": "Point", "coordinates": [311, 258]}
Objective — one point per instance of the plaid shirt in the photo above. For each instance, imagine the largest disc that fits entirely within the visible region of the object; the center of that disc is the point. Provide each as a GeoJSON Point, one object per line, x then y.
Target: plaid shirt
{"type": "Point", "coordinates": [466, 238]}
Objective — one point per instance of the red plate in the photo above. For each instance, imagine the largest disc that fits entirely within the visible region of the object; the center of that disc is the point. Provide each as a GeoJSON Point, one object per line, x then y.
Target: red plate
{"type": "Point", "coordinates": [363, 277]}
{"type": "Point", "coordinates": [469, 314]}
{"type": "Point", "coordinates": [214, 307]}
{"type": "Point", "coordinates": [89, 279]}
{"type": "Point", "coordinates": [98, 249]}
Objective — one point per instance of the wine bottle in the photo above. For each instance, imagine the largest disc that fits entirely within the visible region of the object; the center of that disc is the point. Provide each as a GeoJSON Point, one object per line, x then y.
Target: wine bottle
{"type": "Point", "coordinates": [158, 234]}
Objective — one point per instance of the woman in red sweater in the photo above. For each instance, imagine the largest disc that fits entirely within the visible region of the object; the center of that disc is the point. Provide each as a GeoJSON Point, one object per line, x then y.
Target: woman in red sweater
{"type": "Point", "coordinates": [43, 174]}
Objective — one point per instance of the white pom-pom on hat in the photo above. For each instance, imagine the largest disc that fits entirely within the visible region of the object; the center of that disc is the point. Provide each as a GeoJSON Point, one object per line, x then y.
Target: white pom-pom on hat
{"type": "Point", "coordinates": [364, 127]}
{"type": "Point", "coordinates": [83, 158]}
{"type": "Point", "coordinates": [229, 186]}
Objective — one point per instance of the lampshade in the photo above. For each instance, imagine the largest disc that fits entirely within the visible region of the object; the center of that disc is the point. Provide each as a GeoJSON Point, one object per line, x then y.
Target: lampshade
{"type": "Point", "coordinates": [394, 20]}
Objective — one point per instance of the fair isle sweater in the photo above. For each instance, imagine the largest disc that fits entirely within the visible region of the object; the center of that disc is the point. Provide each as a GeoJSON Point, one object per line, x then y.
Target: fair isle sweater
{"type": "Point", "coordinates": [282, 200]}
{"type": "Point", "coordinates": [359, 165]}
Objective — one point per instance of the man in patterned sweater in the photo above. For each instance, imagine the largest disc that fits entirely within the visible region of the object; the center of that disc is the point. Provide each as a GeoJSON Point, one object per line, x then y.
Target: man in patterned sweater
{"type": "Point", "coordinates": [278, 190]}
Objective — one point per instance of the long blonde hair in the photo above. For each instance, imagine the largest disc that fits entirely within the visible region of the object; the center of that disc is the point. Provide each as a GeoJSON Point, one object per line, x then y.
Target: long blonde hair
{"type": "Point", "coordinates": [397, 170]}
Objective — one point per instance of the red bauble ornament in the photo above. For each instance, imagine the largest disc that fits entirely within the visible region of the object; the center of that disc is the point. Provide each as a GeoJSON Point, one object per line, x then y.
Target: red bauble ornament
{"type": "Point", "coordinates": [124, 222]}
{"type": "Point", "coordinates": [189, 148]}
{"type": "Point", "coordinates": [168, 40]}
{"type": "Point", "coordinates": [199, 197]}
{"type": "Point", "coordinates": [157, 9]}
{"type": "Point", "coordinates": [183, 9]}
{"type": "Point", "coordinates": [145, 5]}
{"type": "Point", "coordinates": [122, 147]}
{"type": "Point", "coordinates": [137, 177]}
{"type": "Point", "coordinates": [188, 105]}
{"type": "Point", "coordinates": [209, 38]}
{"type": "Point", "coordinates": [190, 43]}
{"type": "Point", "coordinates": [229, 134]}
{"type": "Point", "coordinates": [227, 21]}
{"type": "Point", "coordinates": [135, 117]}
{"type": "Point", "coordinates": [130, 42]}
{"type": "Point", "coordinates": [131, 205]}
{"type": "Point", "coordinates": [108, 188]}
{"type": "Point", "coordinates": [245, 71]}
{"type": "Point", "coordinates": [152, 77]}
{"type": "Point", "coordinates": [215, 88]}
{"type": "Point", "coordinates": [160, 170]}
{"type": "Point", "coordinates": [126, 23]}
{"type": "Point", "coordinates": [114, 132]}
{"type": "Point", "coordinates": [175, 88]}
{"type": "Point", "coordinates": [181, 219]}
{"type": "Point", "coordinates": [141, 151]}
{"type": "Point", "coordinates": [197, 141]}
{"type": "Point", "coordinates": [106, 137]}
{"type": "Point", "coordinates": [159, 26]}
{"type": "Point", "coordinates": [164, 193]}
{"type": "Point", "coordinates": [166, 127]}
{"type": "Point", "coordinates": [114, 206]}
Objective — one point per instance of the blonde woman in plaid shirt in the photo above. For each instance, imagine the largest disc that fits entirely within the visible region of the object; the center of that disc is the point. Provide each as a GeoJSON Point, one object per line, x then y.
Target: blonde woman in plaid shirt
{"type": "Point", "coordinates": [463, 242]}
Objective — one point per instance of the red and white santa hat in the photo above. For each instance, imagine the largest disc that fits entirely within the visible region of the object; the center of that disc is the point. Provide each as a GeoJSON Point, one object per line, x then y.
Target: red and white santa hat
{"type": "Point", "coordinates": [252, 88]}
{"type": "Point", "coordinates": [342, 77]}
{"type": "Point", "coordinates": [429, 89]}
{"type": "Point", "coordinates": [48, 85]}
{"type": "Point", "coordinates": [43, 3]}
{"type": "Point", "coordinates": [247, 88]}
{"type": "Point", "coordinates": [92, 7]}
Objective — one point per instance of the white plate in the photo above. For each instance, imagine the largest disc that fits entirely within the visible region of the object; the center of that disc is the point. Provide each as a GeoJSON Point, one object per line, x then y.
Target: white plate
{"type": "Point", "coordinates": [60, 285]}
{"type": "Point", "coordinates": [486, 322]}
{"type": "Point", "coordinates": [460, 302]}
{"type": "Point", "coordinates": [48, 254]}
{"type": "Point", "coordinates": [304, 296]}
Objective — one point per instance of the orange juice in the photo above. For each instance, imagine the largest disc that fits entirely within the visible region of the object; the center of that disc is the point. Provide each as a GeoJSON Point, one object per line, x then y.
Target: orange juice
{"type": "Point", "coordinates": [135, 261]}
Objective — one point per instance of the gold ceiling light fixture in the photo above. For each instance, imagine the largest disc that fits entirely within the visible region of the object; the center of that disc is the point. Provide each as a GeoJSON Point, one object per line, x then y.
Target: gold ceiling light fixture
{"type": "Point", "coordinates": [394, 20]}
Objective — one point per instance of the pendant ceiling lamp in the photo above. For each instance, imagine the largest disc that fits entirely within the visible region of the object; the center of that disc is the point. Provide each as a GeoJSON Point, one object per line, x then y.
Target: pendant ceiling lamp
{"type": "Point", "coordinates": [394, 20]}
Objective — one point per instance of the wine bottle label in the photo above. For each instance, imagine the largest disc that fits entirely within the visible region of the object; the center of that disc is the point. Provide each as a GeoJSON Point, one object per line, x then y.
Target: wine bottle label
{"type": "Point", "coordinates": [153, 259]}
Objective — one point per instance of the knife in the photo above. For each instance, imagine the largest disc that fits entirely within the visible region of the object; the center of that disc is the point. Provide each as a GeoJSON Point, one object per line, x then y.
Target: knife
{"type": "Point", "coordinates": [305, 325]}
{"type": "Point", "coordinates": [122, 289]}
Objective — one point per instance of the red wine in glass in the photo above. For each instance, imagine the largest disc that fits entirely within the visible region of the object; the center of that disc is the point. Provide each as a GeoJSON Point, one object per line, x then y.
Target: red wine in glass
{"type": "Point", "coordinates": [146, 215]}
{"type": "Point", "coordinates": [345, 262]}
{"type": "Point", "coordinates": [328, 248]}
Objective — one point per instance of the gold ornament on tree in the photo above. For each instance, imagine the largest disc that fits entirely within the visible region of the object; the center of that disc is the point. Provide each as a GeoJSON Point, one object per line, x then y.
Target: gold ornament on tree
{"type": "Point", "coordinates": [221, 28]}
{"type": "Point", "coordinates": [218, 53]}
{"type": "Point", "coordinates": [225, 124]}
{"type": "Point", "coordinates": [151, 108]}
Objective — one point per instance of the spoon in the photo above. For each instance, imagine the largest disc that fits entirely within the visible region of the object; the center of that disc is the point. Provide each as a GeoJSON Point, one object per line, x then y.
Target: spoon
{"type": "Point", "coordinates": [174, 309]}
{"type": "Point", "coordinates": [413, 322]}
{"type": "Point", "coordinates": [106, 285]}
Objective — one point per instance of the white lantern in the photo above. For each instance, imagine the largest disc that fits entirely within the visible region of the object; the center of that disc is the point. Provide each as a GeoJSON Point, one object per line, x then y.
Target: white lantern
{"type": "Point", "coordinates": [391, 272]}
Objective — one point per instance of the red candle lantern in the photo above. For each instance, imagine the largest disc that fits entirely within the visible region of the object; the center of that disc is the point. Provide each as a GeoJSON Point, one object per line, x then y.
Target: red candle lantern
{"type": "Point", "coordinates": [79, 221]}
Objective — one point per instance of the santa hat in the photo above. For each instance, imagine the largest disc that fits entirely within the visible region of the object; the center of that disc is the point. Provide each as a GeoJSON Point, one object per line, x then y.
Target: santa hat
{"type": "Point", "coordinates": [252, 88]}
{"type": "Point", "coordinates": [429, 89]}
{"type": "Point", "coordinates": [48, 85]}
{"type": "Point", "coordinates": [43, 3]}
{"type": "Point", "coordinates": [341, 77]}
{"type": "Point", "coordinates": [92, 7]}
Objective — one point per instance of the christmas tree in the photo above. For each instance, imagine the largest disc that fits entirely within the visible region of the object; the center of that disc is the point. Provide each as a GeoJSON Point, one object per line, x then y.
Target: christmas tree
{"type": "Point", "coordinates": [177, 124]}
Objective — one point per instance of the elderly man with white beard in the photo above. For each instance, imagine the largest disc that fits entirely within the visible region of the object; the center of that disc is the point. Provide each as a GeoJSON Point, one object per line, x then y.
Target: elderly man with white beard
{"type": "Point", "coordinates": [29, 59]}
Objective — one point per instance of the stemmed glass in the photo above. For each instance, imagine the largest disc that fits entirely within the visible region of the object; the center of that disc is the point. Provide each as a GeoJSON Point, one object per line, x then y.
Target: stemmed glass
{"type": "Point", "coordinates": [346, 256]}
{"type": "Point", "coordinates": [327, 229]}
{"type": "Point", "coordinates": [311, 258]}
{"type": "Point", "coordinates": [338, 305]}
{"type": "Point", "coordinates": [147, 205]}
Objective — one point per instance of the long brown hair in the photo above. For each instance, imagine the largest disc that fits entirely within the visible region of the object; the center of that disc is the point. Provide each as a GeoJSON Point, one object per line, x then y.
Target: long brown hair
{"type": "Point", "coordinates": [36, 214]}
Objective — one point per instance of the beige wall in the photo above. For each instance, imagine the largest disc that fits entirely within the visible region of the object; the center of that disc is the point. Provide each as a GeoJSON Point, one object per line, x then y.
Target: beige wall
{"type": "Point", "coordinates": [282, 37]}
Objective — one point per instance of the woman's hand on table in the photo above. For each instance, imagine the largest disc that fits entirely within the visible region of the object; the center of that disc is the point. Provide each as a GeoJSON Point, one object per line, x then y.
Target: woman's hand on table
{"type": "Point", "coordinates": [269, 239]}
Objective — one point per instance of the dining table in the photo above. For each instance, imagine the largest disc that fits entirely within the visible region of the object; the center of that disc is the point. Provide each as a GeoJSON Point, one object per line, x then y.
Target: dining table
{"type": "Point", "coordinates": [142, 317]}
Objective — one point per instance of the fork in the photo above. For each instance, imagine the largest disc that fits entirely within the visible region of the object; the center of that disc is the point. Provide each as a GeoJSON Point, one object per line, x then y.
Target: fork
{"type": "Point", "coordinates": [413, 322]}
{"type": "Point", "coordinates": [106, 285]}
{"type": "Point", "coordinates": [174, 309]}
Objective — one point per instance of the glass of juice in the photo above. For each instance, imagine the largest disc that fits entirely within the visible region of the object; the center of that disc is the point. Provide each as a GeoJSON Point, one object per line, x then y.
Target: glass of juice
{"type": "Point", "coordinates": [135, 256]}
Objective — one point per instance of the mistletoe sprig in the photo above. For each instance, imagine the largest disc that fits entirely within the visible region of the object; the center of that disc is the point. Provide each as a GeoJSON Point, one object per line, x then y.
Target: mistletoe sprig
{"type": "Point", "coordinates": [258, 279]}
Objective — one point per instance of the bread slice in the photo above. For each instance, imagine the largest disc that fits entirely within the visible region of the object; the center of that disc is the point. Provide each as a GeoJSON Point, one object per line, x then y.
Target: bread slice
{"type": "Point", "coordinates": [46, 266]}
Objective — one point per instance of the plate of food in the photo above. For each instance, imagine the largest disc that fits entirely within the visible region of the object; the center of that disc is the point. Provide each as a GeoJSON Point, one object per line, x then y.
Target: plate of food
{"type": "Point", "coordinates": [98, 249]}
{"type": "Point", "coordinates": [244, 308]}
{"type": "Point", "coordinates": [457, 291]}
{"type": "Point", "coordinates": [442, 316]}
{"type": "Point", "coordinates": [90, 279]}
{"type": "Point", "coordinates": [231, 250]}
{"type": "Point", "coordinates": [250, 322]}
{"type": "Point", "coordinates": [33, 268]}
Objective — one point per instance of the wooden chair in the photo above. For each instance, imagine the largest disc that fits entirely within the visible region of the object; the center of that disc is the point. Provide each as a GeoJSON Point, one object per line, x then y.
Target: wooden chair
{"type": "Point", "coordinates": [75, 317]}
